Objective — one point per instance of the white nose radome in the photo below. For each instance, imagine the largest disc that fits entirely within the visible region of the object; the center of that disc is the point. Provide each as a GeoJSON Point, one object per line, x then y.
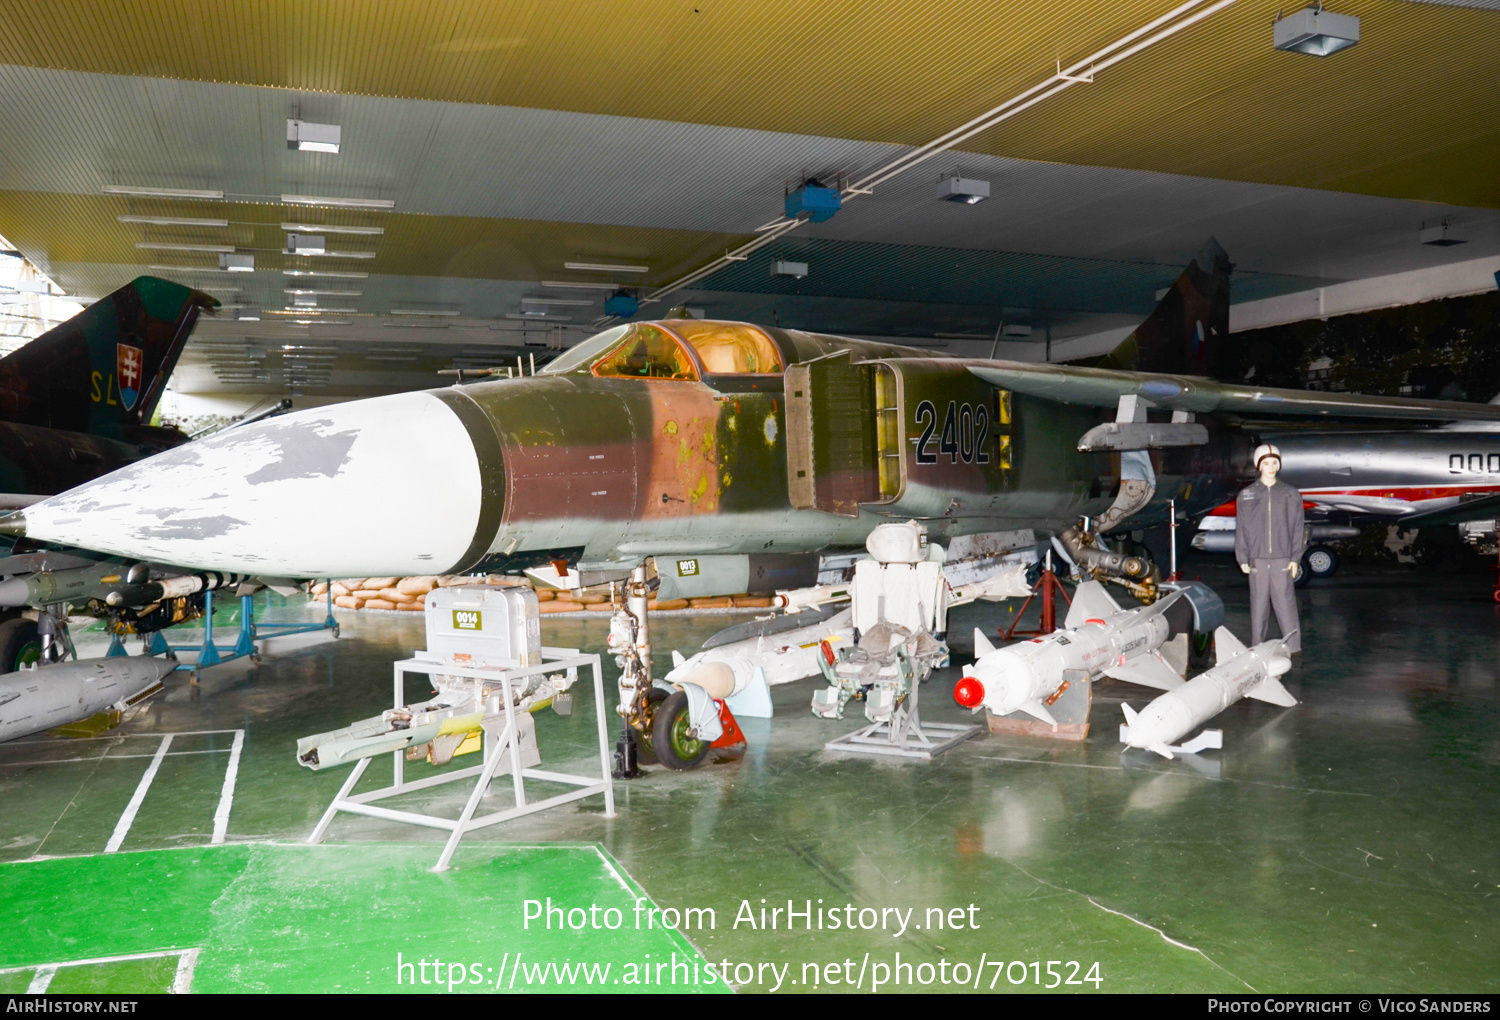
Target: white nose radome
{"type": "Point", "coordinates": [390, 485]}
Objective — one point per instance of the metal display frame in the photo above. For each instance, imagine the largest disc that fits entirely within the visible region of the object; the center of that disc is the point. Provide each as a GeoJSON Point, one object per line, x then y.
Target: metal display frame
{"type": "Point", "coordinates": [494, 753]}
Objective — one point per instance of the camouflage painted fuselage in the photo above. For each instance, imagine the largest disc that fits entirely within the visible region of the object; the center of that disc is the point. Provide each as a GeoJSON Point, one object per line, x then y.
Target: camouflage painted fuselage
{"type": "Point", "coordinates": [618, 469]}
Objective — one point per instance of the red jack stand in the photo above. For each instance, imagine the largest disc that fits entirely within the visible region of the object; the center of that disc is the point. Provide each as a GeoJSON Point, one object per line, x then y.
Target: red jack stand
{"type": "Point", "coordinates": [1046, 586]}
{"type": "Point", "coordinates": [732, 734]}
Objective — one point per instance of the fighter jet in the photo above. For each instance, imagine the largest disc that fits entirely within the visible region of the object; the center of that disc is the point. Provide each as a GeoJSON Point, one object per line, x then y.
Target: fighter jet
{"type": "Point", "coordinates": [77, 403]}
{"type": "Point", "coordinates": [726, 451]}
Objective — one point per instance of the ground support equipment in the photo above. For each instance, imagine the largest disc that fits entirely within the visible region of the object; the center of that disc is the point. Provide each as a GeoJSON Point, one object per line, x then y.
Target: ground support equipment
{"type": "Point", "coordinates": [503, 752]}
{"type": "Point", "coordinates": [904, 735]}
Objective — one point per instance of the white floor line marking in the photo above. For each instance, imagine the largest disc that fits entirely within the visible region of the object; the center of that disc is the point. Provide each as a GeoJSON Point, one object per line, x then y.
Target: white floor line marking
{"type": "Point", "coordinates": [182, 982]}
{"type": "Point", "coordinates": [1043, 761]}
{"type": "Point", "coordinates": [123, 825]}
{"type": "Point", "coordinates": [226, 798]}
{"type": "Point", "coordinates": [618, 877]}
{"type": "Point", "coordinates": [110, 757]}
{"type": "Point", "coordinates": [41, 980]}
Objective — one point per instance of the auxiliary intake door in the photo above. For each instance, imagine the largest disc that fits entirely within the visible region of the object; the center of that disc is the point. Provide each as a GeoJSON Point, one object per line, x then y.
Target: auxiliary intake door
{"type": "Point", "coordinates": [843, 446]}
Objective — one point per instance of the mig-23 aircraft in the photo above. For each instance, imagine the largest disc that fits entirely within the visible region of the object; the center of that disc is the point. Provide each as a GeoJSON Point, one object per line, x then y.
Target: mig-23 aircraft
{"type": "Point", "coordinates": [733, 455]}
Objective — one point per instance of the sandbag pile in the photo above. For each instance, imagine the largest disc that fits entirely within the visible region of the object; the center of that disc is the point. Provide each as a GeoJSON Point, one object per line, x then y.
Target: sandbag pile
{"type": "Point", "coordinates": [409, 594]}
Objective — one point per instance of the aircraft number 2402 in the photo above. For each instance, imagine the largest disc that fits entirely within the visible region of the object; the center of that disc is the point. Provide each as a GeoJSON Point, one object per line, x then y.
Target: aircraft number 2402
{"type": "Point", "coordinates": [965, 431]}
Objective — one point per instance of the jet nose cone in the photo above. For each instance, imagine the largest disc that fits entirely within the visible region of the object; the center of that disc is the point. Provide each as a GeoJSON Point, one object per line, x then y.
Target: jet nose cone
{"type": "Point", "coordinates": [391, 485]}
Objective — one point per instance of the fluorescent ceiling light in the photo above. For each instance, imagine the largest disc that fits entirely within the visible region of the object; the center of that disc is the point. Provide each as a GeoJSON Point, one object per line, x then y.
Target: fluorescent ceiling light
{"type": "Point", "coordinates": [581, 285]}
{"type": "Point", "coordinates": [173, 221]}
{"type": "Point", "coordinates": [321, 322]}
{"type": "Point", "coordinates": [335, 254]}
{"type": "Point", "coordinates": [308, 137]}
{"type": "Point", "coordinates": [574, 302]}
{"type": "Point", "coordinates": [1314, 31]}
{"type": "Point", "coordinates": [390, 357]}
{"type": "Point", "coordinates": [220, 290]}
{"type": "Point", "coordinates": [605, 267]}
{"type": "Point", "coordinates": [416, 325]}
{"type": "Point", "coordinates": [325, 273]}
{"type": "Point", "coordinates": [424, 311]}
{"type": "Point", "coordinates": [186, 269]}
{"type": "Point", "coordinates": [324, 228]}
{"type": "Point", "coordinates": [125, 189]}
{"type": "Point", "coordinates": [305, 300]}
{"type": "Point", "coordinates": [539, 318]}
{"type": "Point", "coordinates": [782, 267]}
{"type": "Point", "coordinates": [322, 311]}
{"type": "Point", "coordinates": [324, 293]}
{"type": "Point", "coordinates": [155, 246]}
{"type": "Point", "coordinates": [340, 203]}
{"type": "Point", "coordinates": [237, 263]}
{"type": "Point", "coordinates": [247, 315]}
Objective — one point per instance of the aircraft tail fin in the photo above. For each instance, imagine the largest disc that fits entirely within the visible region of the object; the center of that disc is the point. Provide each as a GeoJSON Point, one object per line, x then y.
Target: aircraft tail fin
{"type": "Point", "coordinates": [106, 367]}
{"type": "Point", "coordinates": [1226, 645]}
{"type": "Point", "coordinates": [1187, 332]}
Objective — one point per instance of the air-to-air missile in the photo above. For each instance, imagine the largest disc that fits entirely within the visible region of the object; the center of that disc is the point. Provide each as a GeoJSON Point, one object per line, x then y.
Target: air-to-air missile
{"type": "Point", "coordinates": [113, 583]}
{"type": "Point", "coordinates": [1098, 639]}
{"type": "Point", "coordinates": [40, 698]}
{"type": "Point", "coordinates": [1240, 673]}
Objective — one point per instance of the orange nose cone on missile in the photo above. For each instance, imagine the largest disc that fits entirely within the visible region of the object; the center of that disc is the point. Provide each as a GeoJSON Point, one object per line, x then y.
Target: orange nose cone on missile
{"type": "Point", "coordinates": [969, 692]}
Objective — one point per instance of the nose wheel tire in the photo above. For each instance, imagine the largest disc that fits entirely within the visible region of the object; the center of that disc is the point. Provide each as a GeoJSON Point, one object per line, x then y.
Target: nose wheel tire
{"type": "Point", "coordinates": [669, 737]}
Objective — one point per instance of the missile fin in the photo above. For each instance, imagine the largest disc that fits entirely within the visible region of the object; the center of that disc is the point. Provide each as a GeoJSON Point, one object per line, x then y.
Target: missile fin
{"type": "Point", "coordinates": [1161, 749]}
{"type": "Point", "coordinates": [1270, 690]}
{"type": "Point", "coordinates": [1159, 606]}
{"type": "Point", "coordinates": [1226, 646]}
{"type": "Point", "coordinates": [982, 644]}
{"type": "Point", "coordinates": [1090, 602]}
{"type": "Point", "coordinates": [677, 659]}
{"type": "Point", "coordinates": [1036, 708]}
{"type": "Point", "coordinates": [1147, 670]}
{"type": "Point", "coordinates": [1129, 714]}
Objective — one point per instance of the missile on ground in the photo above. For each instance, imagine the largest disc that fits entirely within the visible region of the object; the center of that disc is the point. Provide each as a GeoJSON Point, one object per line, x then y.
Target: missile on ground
{"type": "Point", "coordinates": [1240, 673]}
{"type": "Point", "coordinates": [32, 700]}
{"type": "Point", "coordinates": [728, 669]}
{"type": "Point", "coordinates": [1098, 639]}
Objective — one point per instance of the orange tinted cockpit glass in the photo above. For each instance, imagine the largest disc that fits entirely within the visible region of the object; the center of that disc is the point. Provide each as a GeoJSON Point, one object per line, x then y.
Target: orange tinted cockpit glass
{"type": "Point", "coordinates": [647, 353]}
{"type": "Point", "coordinates": [729, 348]}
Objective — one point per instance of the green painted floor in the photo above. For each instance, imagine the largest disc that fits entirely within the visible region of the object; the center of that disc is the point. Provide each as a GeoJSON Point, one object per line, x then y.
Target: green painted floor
{"type": "Point", "coordinates": [268, 917]}
{"type": "Point", "coordinates": [1348, 844]}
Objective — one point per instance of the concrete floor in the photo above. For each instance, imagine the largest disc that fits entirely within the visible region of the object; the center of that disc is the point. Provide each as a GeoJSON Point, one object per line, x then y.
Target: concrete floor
{"type": "Point", "coordinates": [1348, 844]}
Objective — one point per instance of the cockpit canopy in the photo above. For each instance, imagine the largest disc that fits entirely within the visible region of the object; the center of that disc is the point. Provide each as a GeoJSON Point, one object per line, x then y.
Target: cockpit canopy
{"type": "Point", "coordinates": [674, 349]}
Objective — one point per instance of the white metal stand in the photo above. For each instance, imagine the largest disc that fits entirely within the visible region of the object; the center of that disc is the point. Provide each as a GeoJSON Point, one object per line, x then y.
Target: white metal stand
{"type": "Point", "coordinates": [904, 735]}
{"type": "Point", "coordinates": [494, 753]}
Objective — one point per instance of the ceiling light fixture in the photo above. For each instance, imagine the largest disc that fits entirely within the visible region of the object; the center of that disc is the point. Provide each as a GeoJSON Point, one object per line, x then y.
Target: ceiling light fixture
{"type": "Point", "coordinates": [1438, 236]}
{"type": "Point", "coordinates": [237, 263]}
{"type": "Point", "coordinates": [324, 293]}
{"type": "Point", "coordinates": [336, 254]}
{"type": "Point", "coordinates": [571, 302]}
{"type": "Point", "coordinates": [247, 315]}
{"type": "Point", "coordinates": [154, 246]}
{"type": "Point", "coordinates": [305, 244]}
{"type": "Point", "coordinates": [326, 229]}
{"type": "Point", "coordinates": [605, 267]}
{"type": "Point", "coordinates": [424, 311]}
{"type": "Point", "coordinates": [580, 285]}
{"type": "Point", "coordinates": [783, 267]}
{"type": "Point", "coordinates": [173, 221]}
{"type": "Point", "coordinates": [415, 325]}
{"type": "Point", "coordinates": [126, 189]}
{"type": "Point", "coordinates": [185, 269]}
{"type": "Point", "coordinates": [962, 189]}
{"type": "Point", "coordinates": [1314, 31]}
{"type": "Point", "coordinates": [308, 137]}
{"type": "Point", "coordinates": [325, 273]}
{"type": "Point", "coordinates": [339, 203]}
{"type": "Point", "coordinates": [543, 317]}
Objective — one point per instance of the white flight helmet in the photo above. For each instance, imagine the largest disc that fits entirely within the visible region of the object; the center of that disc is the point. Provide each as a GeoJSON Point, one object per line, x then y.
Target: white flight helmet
{"type": "Point", "coordinates": [1265, 450]}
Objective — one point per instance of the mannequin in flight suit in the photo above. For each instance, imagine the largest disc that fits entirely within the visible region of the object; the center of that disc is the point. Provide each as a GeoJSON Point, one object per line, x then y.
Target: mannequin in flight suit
{"type": "Point", "coordinates": [1269, 540]}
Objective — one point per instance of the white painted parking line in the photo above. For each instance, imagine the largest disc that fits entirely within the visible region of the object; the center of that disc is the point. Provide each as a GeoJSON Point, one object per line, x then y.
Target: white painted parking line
{"type": "Point", "coordinates": [122, 827]}
{"type": "Point", "coordinates": [41, 979]}
{"type": "Point", "coordinates": [182, 978]}
{"type": "Point", "coordinates": [226, 796]}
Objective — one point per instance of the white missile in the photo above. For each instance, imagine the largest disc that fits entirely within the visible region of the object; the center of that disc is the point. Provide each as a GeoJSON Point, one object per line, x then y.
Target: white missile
{"type": "Point", "coordinates": [32, 700]}
{"type": "Point", "coordinates": [1098, 639]}
{"type": "Point", "coordinates": [791, 655]}
{"type": "Point", "coordinates": [1240, 673]}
